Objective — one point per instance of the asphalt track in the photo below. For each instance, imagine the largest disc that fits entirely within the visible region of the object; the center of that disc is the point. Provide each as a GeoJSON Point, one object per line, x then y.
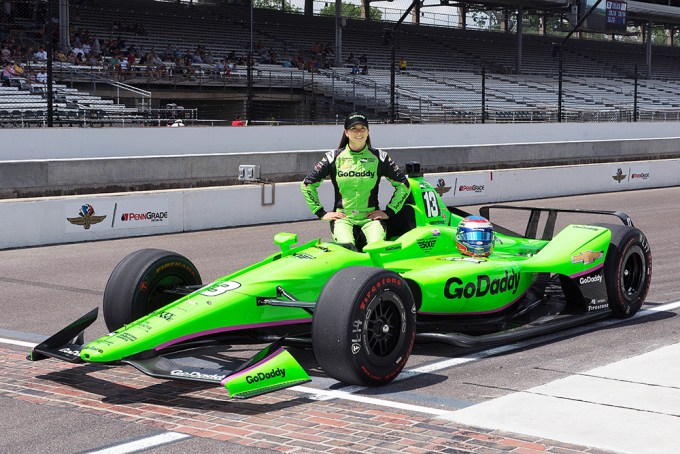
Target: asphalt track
{"type": "Point", "coordinates": [608, 386]}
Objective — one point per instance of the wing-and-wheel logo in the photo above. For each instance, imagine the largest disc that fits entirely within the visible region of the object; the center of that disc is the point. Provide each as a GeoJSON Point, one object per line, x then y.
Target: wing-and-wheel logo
{"type": "Point", "coordinates": [441, 187]}
{"type": "Point", "coordinates": [620, 176]}
{"type": "Point", "coordinates": [86, 217]}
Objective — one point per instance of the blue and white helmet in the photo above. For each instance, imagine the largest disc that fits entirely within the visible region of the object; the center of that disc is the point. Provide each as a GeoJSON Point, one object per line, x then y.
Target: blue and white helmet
{"type": "Point", "coordinates": [475, 236]}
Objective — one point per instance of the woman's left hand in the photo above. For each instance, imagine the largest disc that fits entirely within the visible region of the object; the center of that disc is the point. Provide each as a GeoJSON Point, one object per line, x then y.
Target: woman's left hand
{"type": "Point", "coordinates": [377, 214]}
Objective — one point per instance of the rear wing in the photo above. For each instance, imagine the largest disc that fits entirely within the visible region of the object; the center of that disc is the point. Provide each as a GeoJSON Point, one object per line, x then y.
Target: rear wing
{"type": "Point", "coordinates": [532, 227]}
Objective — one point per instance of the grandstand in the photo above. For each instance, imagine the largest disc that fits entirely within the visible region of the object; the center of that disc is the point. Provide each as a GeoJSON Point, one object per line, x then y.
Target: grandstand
{"type": "Point", "coordinates": [443, 81]}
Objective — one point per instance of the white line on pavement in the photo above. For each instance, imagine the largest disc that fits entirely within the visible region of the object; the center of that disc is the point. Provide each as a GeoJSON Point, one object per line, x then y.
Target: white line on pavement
{"type": "Point", "coordinates": [17, 342]}
{"type": "Point", "coordinates": [142, 443]}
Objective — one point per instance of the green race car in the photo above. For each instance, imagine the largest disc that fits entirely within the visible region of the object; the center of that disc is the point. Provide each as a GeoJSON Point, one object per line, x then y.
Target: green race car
{"type": "Point", "coordinates": [361, 312]}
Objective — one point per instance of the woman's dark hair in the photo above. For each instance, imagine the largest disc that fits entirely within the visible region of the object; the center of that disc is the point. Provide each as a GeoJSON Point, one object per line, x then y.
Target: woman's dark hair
{"type": "Point", "coordinates": [345, 140]}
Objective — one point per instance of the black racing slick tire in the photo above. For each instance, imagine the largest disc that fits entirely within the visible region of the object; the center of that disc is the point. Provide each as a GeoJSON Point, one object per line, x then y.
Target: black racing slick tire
{"type": "Point", "coordinates": [364, 326]}
{"type": "Point", "coordinates": [136, 285]}
{"type": "Point", "coordinates": [627, 270]}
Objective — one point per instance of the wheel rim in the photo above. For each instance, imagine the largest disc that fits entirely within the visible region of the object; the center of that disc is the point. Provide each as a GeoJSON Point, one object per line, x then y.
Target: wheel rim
{"type": "Point", "coordinates": [633, 273]}
{"type": "Point", "coordinates": [384, 324]}
{"type": "Point", "coordinates": [157, 297]}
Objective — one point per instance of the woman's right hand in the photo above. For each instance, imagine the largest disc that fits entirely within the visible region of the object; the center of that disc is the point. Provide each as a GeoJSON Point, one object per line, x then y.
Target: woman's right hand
{"type": "Point", "coordinates": [333, 215]}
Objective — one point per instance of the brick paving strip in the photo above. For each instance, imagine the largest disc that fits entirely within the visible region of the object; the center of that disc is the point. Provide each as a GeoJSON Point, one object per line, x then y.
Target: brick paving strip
{"type": "Point", "coordinates": [283, 421]}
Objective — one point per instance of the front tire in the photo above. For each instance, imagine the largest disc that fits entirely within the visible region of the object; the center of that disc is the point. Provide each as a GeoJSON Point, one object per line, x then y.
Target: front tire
{"type": "Point", "coordinates": [136, 285]}
{"type": "Point", "coordinates": [364, 326]}
{"type": "Point", "coordinates": [627, 270]}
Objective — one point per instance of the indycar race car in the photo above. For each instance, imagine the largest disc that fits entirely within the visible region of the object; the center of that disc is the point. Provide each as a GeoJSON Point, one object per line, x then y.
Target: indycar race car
{"type": "Point", "coordinates": [362, 310]}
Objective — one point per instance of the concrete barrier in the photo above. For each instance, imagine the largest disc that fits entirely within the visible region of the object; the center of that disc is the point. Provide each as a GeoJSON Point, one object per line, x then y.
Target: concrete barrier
{"type": "Point", "coordinates": [95, 175]}
{"type": "Point", "coordinates": [41, 221]}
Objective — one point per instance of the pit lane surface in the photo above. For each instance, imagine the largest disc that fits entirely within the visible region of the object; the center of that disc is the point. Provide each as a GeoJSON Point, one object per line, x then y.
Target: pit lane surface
{"type": "Point", "coordinates": [52, 406]}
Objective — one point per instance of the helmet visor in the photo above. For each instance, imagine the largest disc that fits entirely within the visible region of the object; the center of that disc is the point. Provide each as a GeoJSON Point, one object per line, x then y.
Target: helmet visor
{"type": "Point", "coordinates": [477, 236]}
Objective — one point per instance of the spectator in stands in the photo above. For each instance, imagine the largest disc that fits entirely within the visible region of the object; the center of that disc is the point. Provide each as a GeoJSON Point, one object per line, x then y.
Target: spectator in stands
{"type": "Point", "coordinates": [114, 63]}
{"type": "Point", "coordinates": [151, 68]}
{"type": "Point", "coordinates": [209, 59]}
{"type": "Point", "coordinates": [40, 54]}
{"type": "Point", "coordinates": [91, 60]}
{"type": "Point", "coordinates": [41, 77]}
{"type": "Point", "coordinates": [18, 69]}
{"type": "Point", "coordinates": [219, 67]}
{"type": "Point", "coordinates": [124, 69]}
{"type": "Point", "coordinates": [238, 121]}
{"type": "Point", "coordinates": [86, 47]}
{"type": "Point", "coordinates": [7, 74]}
{"type": "Point", "coordinates": [5, 54]}
{"type": "Point", "coordinates": [402, 65]}
{"type": "Point", "coordinates": [131, 62]}
{"type": "Point", "coordinates": [58, 55]}
{"type": "Point", "coordinates": [363, 61]}
{"type": "Point", "coordinates": [96, 47]}
{"type": "Point", "coordinates": [196, 58]}
{"type": "Point", "coordinates": [161, 68]}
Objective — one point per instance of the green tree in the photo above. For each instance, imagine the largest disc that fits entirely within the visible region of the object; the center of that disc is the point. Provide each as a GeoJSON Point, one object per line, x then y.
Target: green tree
{"type": "Point", "coordinates": [351, 11]}
{"type": "Point", "coordinates": [279, 5]}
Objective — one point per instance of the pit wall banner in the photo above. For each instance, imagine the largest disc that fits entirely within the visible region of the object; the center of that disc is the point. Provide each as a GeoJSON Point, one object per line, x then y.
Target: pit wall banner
{"type": "Point", "coordinates": [43, 221]}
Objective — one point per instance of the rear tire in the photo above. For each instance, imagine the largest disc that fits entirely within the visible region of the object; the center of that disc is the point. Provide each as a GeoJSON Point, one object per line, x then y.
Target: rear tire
{"type": "Point", "coordinates": [627, 270]}
{"type": "Point", "coordinates": [135, 287]}
{"type": "Point", "coordinates": [364, 326]}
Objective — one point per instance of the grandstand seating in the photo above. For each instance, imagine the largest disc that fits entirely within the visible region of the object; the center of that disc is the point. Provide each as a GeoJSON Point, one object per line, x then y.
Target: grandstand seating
{"type": "Point", "coordinates": [443, 81]}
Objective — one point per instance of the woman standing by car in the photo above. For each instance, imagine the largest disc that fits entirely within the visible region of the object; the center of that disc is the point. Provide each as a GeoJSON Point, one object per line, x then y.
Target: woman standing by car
{"type": "Point", "coordinates": [355, 169]}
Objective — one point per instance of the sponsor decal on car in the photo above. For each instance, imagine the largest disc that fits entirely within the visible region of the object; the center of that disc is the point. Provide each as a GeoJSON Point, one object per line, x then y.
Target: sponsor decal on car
{"type": "Point", "coordinates": [168, 316]}
{"type": "Point", "coordinates": [219, 289]}
{"type": "Point", "coordinates": [261, 376]}
{"type": "Point", "coordinates": [426, 244]}
{"type": "Point", "coordinates": [587, 257]}
{"type": "Point", "coordinates": [484, 285]}
{"type": "Point", "coordinates": [127, 337]}
{"type": "Point", "coordinates": [590, 279]}
{"type": "Point", "coordinates": [196, 375]}
{"type": "Point", "coordinates": [597, 307]}
{"type": "Point", "coordinates": [464, 259]}
{"type": "Point", "coordinates": [69, 352]}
